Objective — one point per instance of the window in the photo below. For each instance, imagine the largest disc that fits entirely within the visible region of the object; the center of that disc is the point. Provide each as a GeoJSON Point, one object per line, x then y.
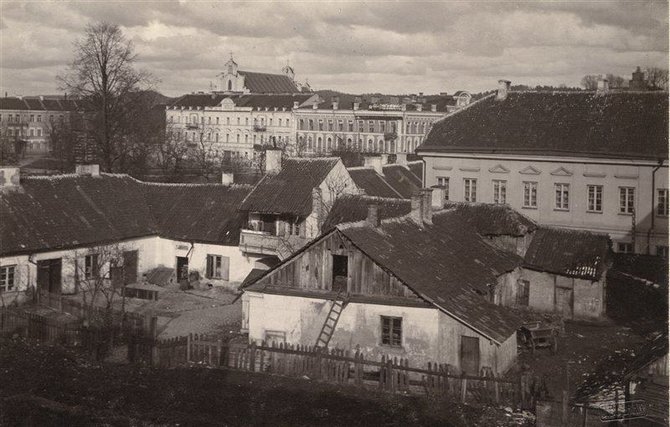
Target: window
{"type": "Point", "coordinates": [39, 118]}
{"type": "Point", "coordinates": [523, 292]}
{"type": "Point", "coordinates": [32, 117]}
{"type": "Point", "coordinates": [499, 192]}
{"type": "Point", "coordinates": [7, 276]}
{"type": "Point", "coordinates": [371, 126]}
{"type": "Point", "coordinates": [470, 189]}
{"type": "Point", "coordinates": [39, 132]}
{"type": "Point", "coordinates": [351, 125]}
{"type": "Point", "coordinates": [392, 331]}
{"type": "Point", "coordinates": [529, 194]}
{"type": "Point", "coordinates": [562, 201]}
{"type": "Point", "coordinates": [662, 251]}
{"type": "Point", "coordinates": [310, 124]}
{"type": "Point", "coordinates": [624, 247]}
{"type": "Point", "coordinates": [662, 208]}
{"type": "Point", "coordinates": [594, 198]}
{"type": "Point", "coordinates": [320, 124]}
{"type": "Point", "coordinates": [330, 125]}
{"type": "Point", "coordinates": [361, 125]}
{"type": "Point", "coordinates": [626, 200]}
{"type": "Point", "coordinates": [91, 268]}
{"type": "Point", "coordinates": [217, 267]}
{"type": "Point", "coordinates": [443, 182]}
{"type": "Point", "coordinates": [340, 272]}
{"type": "Point", "coordinates": [340, 125]}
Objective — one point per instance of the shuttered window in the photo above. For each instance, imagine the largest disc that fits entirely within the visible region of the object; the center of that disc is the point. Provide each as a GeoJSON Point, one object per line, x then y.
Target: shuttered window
{"type": "Point", "coordinates": [217, 267]}
{"type": "Point", "coordinates": [392, 331]}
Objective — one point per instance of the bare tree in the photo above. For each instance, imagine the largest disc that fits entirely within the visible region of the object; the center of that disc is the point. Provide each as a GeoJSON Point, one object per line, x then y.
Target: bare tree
{"type": "Point", "coordinates": [103, 75]}
{"type": "Point", "coordinates": [615, 81]}
{"type": "Point", "coordinates": [204, 154]}
{"type": "Point", "coordinates": [170, 152]}
{"type": "Point", "coordinates": [657, 78]}
{"type": "Point", "coordinates": [590, 81]}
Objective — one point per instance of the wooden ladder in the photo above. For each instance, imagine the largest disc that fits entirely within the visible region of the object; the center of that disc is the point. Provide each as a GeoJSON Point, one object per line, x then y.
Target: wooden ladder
{"type": "Point", "coordinates": [329, 325]}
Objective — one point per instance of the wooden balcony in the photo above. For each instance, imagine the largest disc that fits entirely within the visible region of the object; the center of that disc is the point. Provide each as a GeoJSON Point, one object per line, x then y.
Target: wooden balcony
{"type": "Point", "coordinates": [259, 242]}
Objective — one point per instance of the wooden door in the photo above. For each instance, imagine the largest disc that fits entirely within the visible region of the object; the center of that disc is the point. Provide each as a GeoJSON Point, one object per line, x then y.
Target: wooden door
{"type": "Point", "coordinates": [130, 262]}
{"type": "Point", "coordinates": [564, 302]}
{"type": "Point", "coordinates": [182, 268]}
{"type": "Point", "coordinates": [470, 355]}
{"type": "Point", "coordinates": [49, 275]}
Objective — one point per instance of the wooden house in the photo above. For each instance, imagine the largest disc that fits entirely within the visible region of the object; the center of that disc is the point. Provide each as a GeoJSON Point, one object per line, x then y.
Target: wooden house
{"type": "Point", "coordinates": [647, 382]}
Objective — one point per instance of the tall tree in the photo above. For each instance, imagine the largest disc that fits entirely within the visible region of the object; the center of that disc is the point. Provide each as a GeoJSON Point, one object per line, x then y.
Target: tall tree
{"type": "Point", "coordinates": [657, 78]}
{"type": "Point", "coordinates": [615, 82]}
{"type": "Point", "coordinates": [103, 75]}
{"type": "Point", "coordinates": [590, 82]}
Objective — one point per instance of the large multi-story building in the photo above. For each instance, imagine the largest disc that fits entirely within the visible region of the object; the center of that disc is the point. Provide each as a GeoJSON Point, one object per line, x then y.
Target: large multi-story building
{"type": "Point", "coordinates": [30, 122]}
{"type": "Point", "coordinates": [372, 124]}
{"type": "Point", "coordinates": [594, 161]}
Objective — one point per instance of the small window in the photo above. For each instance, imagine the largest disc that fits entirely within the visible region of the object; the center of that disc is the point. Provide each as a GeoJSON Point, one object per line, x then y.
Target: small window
{"type": "Point", "coordinates": [7, 278]}
{"type": "Point", "coordinates": [662, 207]}
{"type": "Point", "coordinates": [523, 293]}
{"type": "Point", "coordinates": [625, 248]}
{"type": "Point", "coordinates": [470, 189]}
{"type": "Point", "coordinates": [562, 200]}
{"type": "Point", "coordinates": [529, 194]}
{"type": "Point", "coordinates": [392, 331]}
{"type": "Point", "coordinates": [594, 198]}
{"type": "Point", "coordinates": [626, 200]}
{"type": "Point", "coordinates": [340, 273]}
{"type": "Point", "coordinates": [443, 182]}
{"type": "Point", "coordinates": [91, 268]}
{"type": "Point", "coordinates": [499, 192]}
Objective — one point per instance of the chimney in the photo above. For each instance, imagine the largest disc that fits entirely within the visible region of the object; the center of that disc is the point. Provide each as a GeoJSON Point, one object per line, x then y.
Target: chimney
{"type": "Point", "coordinates": [317, 206]}
{"type": "Point", "coordinates": [10, 178]}
{"type": "Point", "coordinates": [375, 162]}
{"type": "Point", "coordinates": [433, 107]}
{"type": "Point", "coordinates": [401, 158]}
{"type": "Point", "coordinates": [272, 160]}
{"type": "Point", "coordinates": [416, 204]}
{"type": "Point", "coordinates": [419, 107]}
{"type": "Point", "coordinates": [87, 170]}
{"type": "Point", "coordinates": [438, 197]}
{"type": "Point", "coordinates": [296, 104]}
{"type": "Point", "coordinates": [227, 178]}
{"type": "Point", "coordinates": [315, 106]}
{"type": "Point", "coordinates": [427, 205]}
{"type": "Point", "coordinates": [384, 159]}
{"type": "Point", "coordinates": [373, 215]}
{"type": "Point", "coordinates": [357, 103]}
{"type": "Point", "coordinates": [503, 89]}
{"type": "Point", "coordinates": [335, 101]}
{"type": "Point", "coordinates": [603, 86]}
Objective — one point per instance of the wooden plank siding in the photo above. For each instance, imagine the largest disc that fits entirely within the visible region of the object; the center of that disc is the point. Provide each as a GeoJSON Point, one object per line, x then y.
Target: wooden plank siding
{"type": "Point", "coordinates": [312, 270]}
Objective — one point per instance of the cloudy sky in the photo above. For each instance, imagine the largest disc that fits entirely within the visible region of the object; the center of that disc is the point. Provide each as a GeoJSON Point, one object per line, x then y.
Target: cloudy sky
{"type": "Point", "coordinates": [391, 47]}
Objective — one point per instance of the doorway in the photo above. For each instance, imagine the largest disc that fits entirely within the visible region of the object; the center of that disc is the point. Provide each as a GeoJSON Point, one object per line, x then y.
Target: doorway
{"type": "Point", "coordinates": [564, 302]}
{"type": "Point", "coordinates": [182, 268]}
{"type": "Point", "coordinates": [470, 355]}
{"type": "Point", "coordinates": [340, 273]}
{"type": "Point", "coordinates": [49, 275]}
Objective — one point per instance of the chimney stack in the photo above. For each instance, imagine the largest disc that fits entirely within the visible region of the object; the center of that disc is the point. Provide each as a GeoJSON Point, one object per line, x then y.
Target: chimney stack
{"type": "Point", "coordinates": [433, 107]}
{"type": "Point", "coordinates": [272, 160]}
{"type": "Point", "coordinates": [416, 204]}
{"type": "Point", "coordinates": [10, 178]}
{"type": "Point", "coordinates": [438, 197]}
{"type": "Point", "coordinates": [296, 104]}
{"type": "Point", "coordinates": [315, 106]}
{"type": "Point", "coordinates": [401, 158]}
{"type": "Point", "coordinates": [87, 170]}
{"type": "Point", "coordinates": [317, 206]}
{"type": "Point", "coordinates": [384, 159]}
{"type": "Point", "coordinates": [336, 102]}
{"type": "Point", "coordinates": [503, 89]}
{"type": "Point", "coordinates": [373, 215]}
{"type": "Point", "coordinates": [227, 178]}
{"type": "Point", "coordinates": [375, 162]}
{"type": "Point", "coordinates": [427, 205]}
{"type": "Point", "coordinates": [357, 103]}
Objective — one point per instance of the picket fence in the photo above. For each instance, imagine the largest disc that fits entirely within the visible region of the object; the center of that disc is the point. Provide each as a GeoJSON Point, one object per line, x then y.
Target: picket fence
{"type": "Point", "coordinates": [391, 374]}
{"type": "Point", "coordinates": [34, 326]}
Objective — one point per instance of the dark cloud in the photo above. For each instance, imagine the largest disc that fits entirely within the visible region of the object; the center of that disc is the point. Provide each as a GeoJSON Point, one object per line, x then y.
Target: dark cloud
{"type": "Point", "coordinates": [355, 47]}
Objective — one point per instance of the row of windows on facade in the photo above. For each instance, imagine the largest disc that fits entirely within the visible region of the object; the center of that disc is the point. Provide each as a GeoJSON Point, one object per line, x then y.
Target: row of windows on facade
{"type": "Point", "coordinates": [193, 120]}
{"type": "Point", "coordinates": [19, 132]}
{"type": "Point", "coordinates": [217, 267]}
{"type": "Point", "coordinates": [16, 118]}
{"type": "Point", "coordinates": [373, 126]}
{"type": "Point", "coordinates": [201, 136]}
{"type": "Point", "coordinates": [594, 195]}
{"type": "Point", "coordinates": [380, 146]}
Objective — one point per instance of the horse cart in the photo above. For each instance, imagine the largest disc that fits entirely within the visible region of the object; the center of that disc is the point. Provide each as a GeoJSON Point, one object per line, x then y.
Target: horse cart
{"type": "Point", "coordinates": [535, 335]}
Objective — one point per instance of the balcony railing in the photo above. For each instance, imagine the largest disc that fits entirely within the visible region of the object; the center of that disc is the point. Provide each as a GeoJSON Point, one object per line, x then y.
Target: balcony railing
{"type": "Point", "coordinates": [259, 242]}
{"type": "Point", "coordinates": [192, 125]}
{"type": "Point", "coordinates": [259, 128]}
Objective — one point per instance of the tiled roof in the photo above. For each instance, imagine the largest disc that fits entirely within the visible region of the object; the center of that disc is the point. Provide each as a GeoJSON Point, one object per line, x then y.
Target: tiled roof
{"type": "Point", "coordinates": [446, 263]}
{"type": "Point", "coordinates": [32, 103]}
{"type": "Point", "coordinates": [367, 179]}
{"type": "Point", "coordinates": [417, 168]}
{"type": "Point", "coordinates": [254, 101]}
{"type": "Point", "coordinates": [289, 191]}
{"type": "Point", "coordinates": [568, 252]}
{"type": "Point", "coordinates": [198, 212]}
{"type": "Point", "coordinates": [493, 220]}
{"type": "Point", "coordinates": [64, 211]}
{"type": "Point", "coordinates": [402, 180]}
{"type": "Point", "coordinates": [268, 83]}
{"type": "Point", "coordinates": [346, 102]}
{"type": "Point", "coordinates": [352, 208]}
{"type": "Point", "coordinates": [50, 213]}
{"type": "Point", "coordinates": [615, 125]}
{"type": "Point", "coordinates": [12, 103]}
{"type": "Point", "coordinates": [649, 353]}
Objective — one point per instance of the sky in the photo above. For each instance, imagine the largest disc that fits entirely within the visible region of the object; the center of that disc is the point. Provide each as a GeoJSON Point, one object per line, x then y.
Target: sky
{"type": "Point", "coordinates": [357, 47]}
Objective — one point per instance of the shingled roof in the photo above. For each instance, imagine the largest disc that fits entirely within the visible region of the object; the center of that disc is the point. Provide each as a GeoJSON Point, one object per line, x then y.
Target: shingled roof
{"type": "Point", "coordinates": [402, 180]}
{"type": "Point", "coordinates": [446, 263]}
{"type": "Point", "coordinates": [257, 101]}
{"type": "Point", "coordinates": [289, 191]}
{"type": "Point", "coordinates": [368, 180]}
{"type": "Point", "coordinates": [35, 103]}
{"type": "Point", "coordinates": [268, 83]}
{"type": "Point", "coordinates": [570, 253]}
{"type": "Point", "coordinates": [66, 211]}
{"type": "Point", "coordinates": [493, 220]}
{"type": "Point", "coordinates": [616, 125]}
{"type": "Point", "coordinates": [352, 208]}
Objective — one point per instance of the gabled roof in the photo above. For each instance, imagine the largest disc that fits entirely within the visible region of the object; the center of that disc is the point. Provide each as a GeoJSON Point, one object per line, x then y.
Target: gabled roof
{"type": "Point", "coordinates": [268, 83]}
{"type": "Point", "coordinates": [367, 179]}
{"type": "Point", "coordinates": [289, 191]}
{"type": "Point", "coordinates": [198, 212]}
{"type": "Point", "coordinates": [352, 208]}
{"type": "Point", "coordinates": [493, 220]}
{"type": "Point", "coordinates": [66, 211]}
{"type": "Point", "coordinates": [649, 353]}
{"type": "Point", "coordinates": [416, 167]}
{"type": "Point", "coordinates": [402, 179]}
{"type": "Point", "coordinates": [446, 263]}
{"type": "Point", "coordinates": [13, 103]}
{"type": "Point", "coordinates": [631, 125]}
{"type": "Point", "coordinates": [571, 253]}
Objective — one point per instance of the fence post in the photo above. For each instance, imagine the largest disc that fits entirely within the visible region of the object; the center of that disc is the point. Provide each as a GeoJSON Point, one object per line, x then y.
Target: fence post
{"type": "Point", "coordinates": [219, 343]}
{"type": "Point", "coordinates": [464, 388]}
{"type": "Point", "coordinates": [252, 356]}
{"type": "Point", "coordinates": [188, 347]}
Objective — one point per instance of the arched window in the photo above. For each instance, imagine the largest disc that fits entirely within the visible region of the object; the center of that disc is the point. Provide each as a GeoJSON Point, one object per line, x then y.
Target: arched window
{"type": "Point", "coordinates": [230, 85]}
{"type": "Point", "coordinates": [318, 144]}
{"type": "Point", "coordinates": [309, 143]}
{"type": "Point", "coordinates": [301, 124]}
{"type": "Point", "coordinates": [371, 145]}
{"type": "Point", "coordinates": [348, 142]}
{"type": "Point", "coordinates": [329, 144]}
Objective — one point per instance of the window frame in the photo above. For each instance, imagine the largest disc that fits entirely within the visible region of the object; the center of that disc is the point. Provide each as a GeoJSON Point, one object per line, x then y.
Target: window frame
{"type": "Point", "coordinates": [500, 191]}
{"type": "Point", "coordinates": [628, 248]}
{"type": "Point", "coordinates": [524, 285]}
{"type": "Point", "coordinates": [213, 269]}
{"type": "Point", "coordinates": [443, 182]}
{"type": "Point", "coordinates": [7, 285]}
{"type": "Point", "coordinates": [662, 209]}
{"type": "Point", "coordinates": [388, 337]}
{"type": "Point", "coordinates": [626, 200]}
{"type": "Point", "coordinates": [564, 196]}
{"type": "Point", "coordinates": [595, 205]}
{"type": "Point", "coordinates": [91, 267]}
{"type": "Point", "coordinates": [470, 190]}
{"type": "Point", "coordinates": [530, 190]}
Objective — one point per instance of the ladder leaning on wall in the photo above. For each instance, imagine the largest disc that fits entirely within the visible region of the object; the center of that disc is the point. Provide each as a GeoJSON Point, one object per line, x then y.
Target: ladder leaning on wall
{"type": "Point", "coordinates": [328, 327]}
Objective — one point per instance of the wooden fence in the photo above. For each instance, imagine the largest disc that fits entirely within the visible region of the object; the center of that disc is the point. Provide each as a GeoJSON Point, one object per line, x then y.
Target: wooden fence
{"type": "Point", "coordinates": [34, 326]}
{"type": "Point", "coordinates": [391, 374]}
